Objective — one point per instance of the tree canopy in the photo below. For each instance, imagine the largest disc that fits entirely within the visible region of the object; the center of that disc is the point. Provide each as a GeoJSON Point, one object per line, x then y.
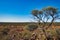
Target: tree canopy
{"type": "Point", "coordinates": [45, 15]}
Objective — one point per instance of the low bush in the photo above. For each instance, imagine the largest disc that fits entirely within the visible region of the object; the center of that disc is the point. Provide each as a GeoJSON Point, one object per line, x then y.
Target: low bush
{"type": "Point", "coordinates": [32, 27]}
{"type": "Point", "coordinates": [5, 31]}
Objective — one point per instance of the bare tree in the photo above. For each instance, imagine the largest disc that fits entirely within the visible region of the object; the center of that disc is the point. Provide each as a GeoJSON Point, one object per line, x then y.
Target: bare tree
{"type": "Point", "coordinates": [48, 14]}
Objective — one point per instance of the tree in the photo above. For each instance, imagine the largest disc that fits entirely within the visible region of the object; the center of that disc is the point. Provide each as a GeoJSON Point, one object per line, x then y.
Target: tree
{"type": "Point", "coordinates": [48, 14]}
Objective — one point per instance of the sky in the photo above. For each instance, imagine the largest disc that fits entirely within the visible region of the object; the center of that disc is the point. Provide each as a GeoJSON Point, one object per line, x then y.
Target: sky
{"type": "Point", "coordinates": [20, 10]}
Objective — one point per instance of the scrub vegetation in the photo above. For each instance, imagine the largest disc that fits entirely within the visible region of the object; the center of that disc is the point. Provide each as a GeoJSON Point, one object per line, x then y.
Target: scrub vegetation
{"type": "Point", "coordinates": [46, 27]}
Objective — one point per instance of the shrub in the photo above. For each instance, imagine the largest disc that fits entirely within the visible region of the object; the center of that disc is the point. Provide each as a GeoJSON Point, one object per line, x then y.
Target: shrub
{"type": "Point", "coordinates": [58, 31]}
{"type": "Point", "coordinates": [5, 31]}
{"type": "Point", "coordinates": [32, 27]}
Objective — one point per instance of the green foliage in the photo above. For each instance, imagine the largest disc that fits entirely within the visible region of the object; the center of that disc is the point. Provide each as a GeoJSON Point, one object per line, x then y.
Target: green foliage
{"type": "Point", "coordinates": [40, 12]}
{"type": "Point", "coordinates": [35, 12]}
{"type": "Point", "coordinates": [32, 27]}
{"type": "Point", "coordinates": [58, 32]}
{"type": "Point", "coordinates": [52, 32]}
{"type": "Point", "coordinates": [27, 35]}
{"type": "Point", "coordinates": [51, 9]}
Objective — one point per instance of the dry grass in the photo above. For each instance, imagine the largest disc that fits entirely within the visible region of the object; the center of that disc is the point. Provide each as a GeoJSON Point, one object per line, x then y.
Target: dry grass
{"type": "Point", "coordinates": [18, 30]}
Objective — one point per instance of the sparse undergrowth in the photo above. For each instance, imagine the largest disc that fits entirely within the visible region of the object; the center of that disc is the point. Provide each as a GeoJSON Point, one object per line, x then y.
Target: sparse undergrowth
{"type": "Point", "coordinates": [9, 34]}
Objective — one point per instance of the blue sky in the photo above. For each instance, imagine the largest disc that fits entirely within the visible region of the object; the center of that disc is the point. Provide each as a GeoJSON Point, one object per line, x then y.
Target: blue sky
{"type": "Point", "coordinates": [20, 10]}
